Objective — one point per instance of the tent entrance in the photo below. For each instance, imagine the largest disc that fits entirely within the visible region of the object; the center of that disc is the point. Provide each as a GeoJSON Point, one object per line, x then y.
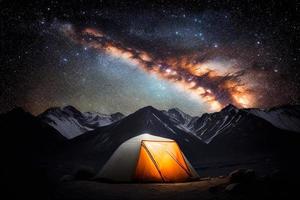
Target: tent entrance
{"type": "Point", "coordinates": [161, 161]}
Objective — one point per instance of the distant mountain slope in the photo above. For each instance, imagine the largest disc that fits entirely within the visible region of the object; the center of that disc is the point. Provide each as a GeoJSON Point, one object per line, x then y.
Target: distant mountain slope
{"type": "Point", "coordinates": [284, 117]}
{"type": "Point", "coordinates": [70, 122]}
{"type": "Point", "coordinates": [208, 126]}
{"type": "Point", "coordinates": [178, 116]}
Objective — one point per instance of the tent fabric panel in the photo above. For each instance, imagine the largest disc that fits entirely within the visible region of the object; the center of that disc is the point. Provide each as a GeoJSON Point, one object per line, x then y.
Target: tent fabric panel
{"type": "Point", "coordinates": [146, 170]}
{"type": "Point", "coordinates": [169, 160]}
{"type": "Point", "coordinates": [121, 165]}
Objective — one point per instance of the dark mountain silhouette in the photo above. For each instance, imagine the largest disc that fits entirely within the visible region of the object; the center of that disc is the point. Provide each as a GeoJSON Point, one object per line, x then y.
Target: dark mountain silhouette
{"type": "Point", "coordinates": [27, 145]}
{"type": "Point", "coordinates": [23, 130]}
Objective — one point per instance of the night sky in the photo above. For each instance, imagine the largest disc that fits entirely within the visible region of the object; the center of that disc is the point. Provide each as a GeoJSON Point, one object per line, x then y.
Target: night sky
{"type": "Point", "coordinates": [111, 56]}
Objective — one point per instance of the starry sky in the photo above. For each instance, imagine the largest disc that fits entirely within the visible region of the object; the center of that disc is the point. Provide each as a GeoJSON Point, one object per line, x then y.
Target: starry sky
{"type": "Point", "coordinates": [111, 56]}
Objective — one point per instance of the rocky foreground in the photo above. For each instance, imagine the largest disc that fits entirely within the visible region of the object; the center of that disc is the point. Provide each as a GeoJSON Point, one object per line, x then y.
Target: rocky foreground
{"type": "Point", "coordinates": [240, 184]}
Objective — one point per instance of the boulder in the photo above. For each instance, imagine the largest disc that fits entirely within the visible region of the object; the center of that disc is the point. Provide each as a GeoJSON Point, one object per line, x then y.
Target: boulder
{"type": "Point", "coordinates": [67, 178]}
{"type": "Point", "coordinates": [84, 173]}
{"type": "Point", "coordinates": [234, 188]}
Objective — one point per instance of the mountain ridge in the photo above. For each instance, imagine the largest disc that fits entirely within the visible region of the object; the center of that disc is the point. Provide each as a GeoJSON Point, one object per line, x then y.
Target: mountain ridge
{"type": "Point", "coordinates": [70, 122]}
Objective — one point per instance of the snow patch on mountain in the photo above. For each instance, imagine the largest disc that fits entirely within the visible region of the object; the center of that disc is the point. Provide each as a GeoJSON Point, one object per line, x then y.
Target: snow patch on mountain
{"type": "Point", "coordinates": [70, 122]}
{"type": "Point", "coordinates": [164, 124]}
{"type": "Point", "coordinates": [178, 116]}
{"type": "Point", "coordinates": [208, 126]}
{"type": "Point", "coordinates": [287, 118]}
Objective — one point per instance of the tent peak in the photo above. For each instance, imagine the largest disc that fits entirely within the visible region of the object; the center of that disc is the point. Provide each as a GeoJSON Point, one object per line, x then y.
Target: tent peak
{"type": "Point", "coordinates": [148, 136]}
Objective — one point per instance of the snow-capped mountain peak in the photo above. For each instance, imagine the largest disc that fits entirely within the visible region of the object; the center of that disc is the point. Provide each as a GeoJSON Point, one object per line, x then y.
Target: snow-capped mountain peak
{"type": "Point", "coordinates": [230, 108]}
{"type": "Point", "coordinates": [70, 122]}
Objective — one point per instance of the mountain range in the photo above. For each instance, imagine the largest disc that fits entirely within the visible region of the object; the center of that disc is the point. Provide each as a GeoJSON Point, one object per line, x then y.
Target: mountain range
{"type": "Point", "coordinates": [231, 135]}
{"type": "Point", "coordinates": [61, 140]}
{"type": "Point", "coordinates": [70, 122]}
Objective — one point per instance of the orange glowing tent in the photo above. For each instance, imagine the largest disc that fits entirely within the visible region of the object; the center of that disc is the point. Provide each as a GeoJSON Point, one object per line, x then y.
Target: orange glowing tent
{"type": "Point", "coordinates": [148, 158]}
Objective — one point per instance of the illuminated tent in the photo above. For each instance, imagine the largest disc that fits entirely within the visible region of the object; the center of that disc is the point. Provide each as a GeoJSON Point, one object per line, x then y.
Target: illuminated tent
{"type": "Point", "coordinates": [148, 158]}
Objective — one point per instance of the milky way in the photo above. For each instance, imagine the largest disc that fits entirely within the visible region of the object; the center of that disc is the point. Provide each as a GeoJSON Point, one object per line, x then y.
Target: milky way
{"type": "Point", "coordinates": [202, 79]}
{"type": "Point", "coordinates": [111, 56]}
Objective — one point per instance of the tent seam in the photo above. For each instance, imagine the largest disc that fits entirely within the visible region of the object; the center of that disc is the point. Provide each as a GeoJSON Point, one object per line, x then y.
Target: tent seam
{"type": "Point", "coordinates": [186, 171]}
{"type": "Point", "coordinates": [153, 160]}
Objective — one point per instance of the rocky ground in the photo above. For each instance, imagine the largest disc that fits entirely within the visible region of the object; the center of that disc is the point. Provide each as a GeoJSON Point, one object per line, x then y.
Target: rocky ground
{"type": "Point", "coordinates": [97, 190]}
{"type": "Point", "coordinates": [240, 184]}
